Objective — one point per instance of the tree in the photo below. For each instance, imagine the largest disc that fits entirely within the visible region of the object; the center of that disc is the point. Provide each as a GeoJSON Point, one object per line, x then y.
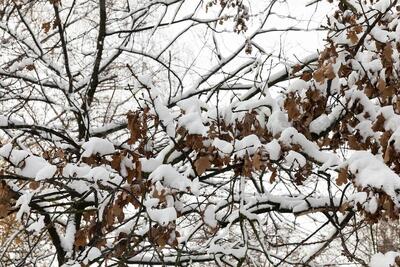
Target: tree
{"type": "Point", "coordinates": [119, 149]}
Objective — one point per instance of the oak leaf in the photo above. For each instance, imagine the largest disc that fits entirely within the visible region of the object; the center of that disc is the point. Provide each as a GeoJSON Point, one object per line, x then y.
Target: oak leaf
{"type": "Point", "coordinates": [34, 185]}
{"type": "Point", "coordinates": [319, 76]}
{"type": "Point", "coordinates": [256, 160]}
{"type": "Point", "coordinates": [202, 164]}
{"type": "Point", "coordinates": [4, 210]}
{"type": "Point", "coordinates": [329, 72]}
{"type": "Point", "coordinates": [379, 124]}
{"type": "Point", "coordinates": [342, 177]}
{"type": "Point", "coordinates": [306, 76]}
{"type": "Point", "coordinates": [81, 238]}
{"type": "Point", "coordinates": [389, 153]}
{"type": "Point", "coordinates": [292, 109]}
{"type": "Point", "coordinates": [272, 178]}
{"type": "Point", "coordinates": [353, 142]}
{"type": "Point", "coordinates": [352, 36]}
{"type": "Point", "coordinates": [46, 26]}
{"type": "Point", "coordinates": [387, 53]}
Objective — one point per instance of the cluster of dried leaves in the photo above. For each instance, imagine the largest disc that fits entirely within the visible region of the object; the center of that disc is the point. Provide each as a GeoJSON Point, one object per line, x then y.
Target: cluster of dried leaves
{"type": "Point", "coordinates": [241, 11]}
{"type": "Point", "coordinates": [322, 95]}
{"type": "Point", "coordinates": [380, 87]}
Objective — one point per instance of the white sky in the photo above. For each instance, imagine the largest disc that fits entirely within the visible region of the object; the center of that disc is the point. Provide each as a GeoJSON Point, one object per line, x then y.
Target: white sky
{"type": "Point", "coordinates": [196, 46]}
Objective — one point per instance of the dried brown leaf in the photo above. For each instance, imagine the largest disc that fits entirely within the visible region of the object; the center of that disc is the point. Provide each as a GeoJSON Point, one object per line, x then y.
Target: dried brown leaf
{"type": "Point", "coordinates": [342, 177]}
{"type": "Point", "coordinates": [46, 26]}
{"type": "Point", "coordinates": [379, 124]}
{"type": "Point", "coordinates": [329, 73]}
{"type": "Point", "coordinates": [387, 53]}
{"type": "Point", "coordinates": [81, 238]}
{"type": "Point", "coordinates": [352, 36]}
{"type": "Point", "coordinates": [202, 164]}
{"type": "Point", "coordinates": [292, 109]}
{"type": "Point", "coordinates": [256, 161]}
{"type": "Point", "coordinates": [273, 176]}
{"type": "Point", "coordinates": [318, 75]}
{"type": "Point", "coordinates": [34, 185]}
{"type": "Point", "coordinates": [389, 153]}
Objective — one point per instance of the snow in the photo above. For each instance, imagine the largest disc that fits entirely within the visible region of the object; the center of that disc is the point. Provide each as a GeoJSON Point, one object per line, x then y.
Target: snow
{"type": "Point", "coordinates": [320, 124]}
{"type": "Point", "coordinates": [372, 205]}
{"type": "Point", "coordinates": [369, 203]}
{"type": "Point", "coordinates": [92, 253]}
{"type": "Point", "coordinates": [23, 202]}
{"type": "Point", "coordinates": [247, 145]}
{"type": "Point", "coordinates": [277, 122]}
{"type": "Point", "coordinates": [291, 136]}
{"type": "Point", "coordinates": [365, 130]}
{"type": "Point", "coordinates": [79, 186]}
{"type": "Point", "coordinates": [191, 105]}
{"type": "Point", "coordinates": [3, 121]}
{"type": "Point", "coordinates": [392, 123]}
{"type": "Point", "coordinates": [30, 166]}
{"type": "Point", "coordinates": [151, 202]}
{"type": "Point", "coordinates": [162, 216]}
{"type": "Point", "coordinates": [170, 172]}
{"type": "Point", "coordinates": [384, 260]}
{"type": "Point", "coordinates": [27, 164]}
{"type": "Point", "coordinates": [380, 35]}
{"type": "Point", "coordinates": [382, 5]}
{"type": "Point", "coordinates": [224, 148]}
{"type": "Point", "coordinates": [5, 150]}
{"type": "Point", "coordinates": [163, 112]}
{"type": "Point", "coordinates": [67, 240]}
{"type": "Point", "coordinates": [273, 149]}
{"type": "Point", "coordinates": [46, 172]}
{"type": "Point", "coordinates": [73, 170]}
{"type": "Point", "coordinates": [371, 171]}
{"type": "Point", "coordinates": [298, 85]}
{"type": "Point", "coordinates": [209, 216]}
{"type": "Point", "coordinates": [193, 124]}
{"type": "Point", "coordinates": [392, 120]}
{"type": "Point", "coordinates": [215, 248]}
{"type": "Point", "coordinates": [191, 120]}
{"type": "Point", "coordinates": [395, 139]}
{"type": "Point", "coordinates": [71, 264]}
{"type": "Point", "coordinates": [365, 62]}
{"type": "Point", "coordinates": [398, 33]}
{"type": "Point", "coordinates": [170, 177]}
{"type": "Point", "coordinates": [324, 121]}
{"type": "Point", "coordinates": [97, 145]}
{"type": "Point", "coordinates": [37, 226]}
{"type": "Point", "coordinates": [99, 173]}
{"type": "Point", "coordinates": [20, 65]}
{"type": "Point", "coordinates": [195, 187]}
{"type": "Point", "coordinates": [295, 160]}
{"type": "Point", "coordinates": [264, 105]}
{"type": "Point", "coordinates": [149, 165]}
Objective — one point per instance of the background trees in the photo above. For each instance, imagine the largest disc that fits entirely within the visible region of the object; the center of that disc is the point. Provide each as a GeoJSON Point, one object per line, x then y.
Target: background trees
{"type": "Point", "coordinates": [179, 133]}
